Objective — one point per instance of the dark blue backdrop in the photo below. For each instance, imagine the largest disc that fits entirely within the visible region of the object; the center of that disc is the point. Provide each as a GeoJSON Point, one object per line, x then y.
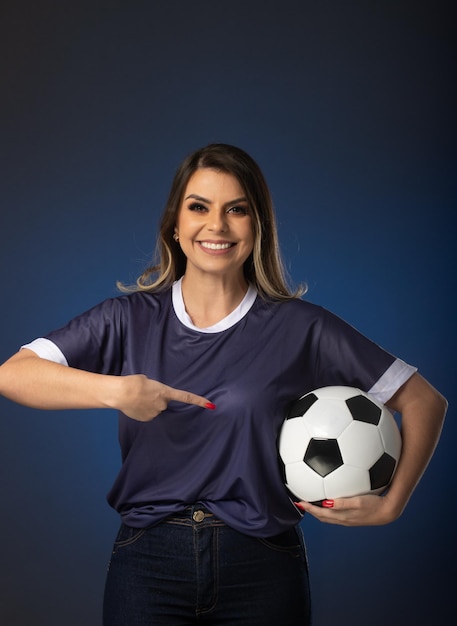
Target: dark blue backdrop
{"type": "Point", "coordinates": [349, 109]}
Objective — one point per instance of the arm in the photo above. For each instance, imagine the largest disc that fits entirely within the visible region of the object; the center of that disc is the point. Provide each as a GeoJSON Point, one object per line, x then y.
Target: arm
{"type": "Point", "coordinates": [30, 380]}
{"type": "Point", "coordinates": [422, 410]}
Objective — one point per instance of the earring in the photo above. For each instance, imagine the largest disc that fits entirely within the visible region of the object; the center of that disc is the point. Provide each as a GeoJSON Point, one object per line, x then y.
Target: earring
{"type": "Point", "coordinates": [176, 237]}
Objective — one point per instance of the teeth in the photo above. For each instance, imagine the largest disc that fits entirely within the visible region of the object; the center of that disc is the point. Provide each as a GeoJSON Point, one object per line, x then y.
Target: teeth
{"type": "Point", "coordinates": [215, 246]}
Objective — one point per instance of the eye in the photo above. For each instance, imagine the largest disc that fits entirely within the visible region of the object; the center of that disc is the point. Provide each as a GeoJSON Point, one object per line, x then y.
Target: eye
{"type": "Point", "coordinates": [196, 206]}
{"type": "Point", "coordinates": [238, 209]}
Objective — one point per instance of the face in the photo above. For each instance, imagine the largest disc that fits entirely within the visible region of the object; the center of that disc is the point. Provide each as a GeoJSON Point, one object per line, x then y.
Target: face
{"type": "Point", "coordinates": [214, 224]}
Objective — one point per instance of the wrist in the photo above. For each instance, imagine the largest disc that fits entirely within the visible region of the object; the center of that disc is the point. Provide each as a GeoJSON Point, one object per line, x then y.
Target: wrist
{"type": "Point", "coordinates": [394, 506]}
{"type": "Point", "coordinates": [113, 392]}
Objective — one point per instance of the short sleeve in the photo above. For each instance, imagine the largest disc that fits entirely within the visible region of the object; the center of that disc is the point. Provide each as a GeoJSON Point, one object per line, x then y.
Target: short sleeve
{"type": "Point", "coordinates": [92, 341]}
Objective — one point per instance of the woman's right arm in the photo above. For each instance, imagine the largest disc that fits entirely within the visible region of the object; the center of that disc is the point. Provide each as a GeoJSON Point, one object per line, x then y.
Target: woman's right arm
{"type": "Point", "coordinates": [32, 381]}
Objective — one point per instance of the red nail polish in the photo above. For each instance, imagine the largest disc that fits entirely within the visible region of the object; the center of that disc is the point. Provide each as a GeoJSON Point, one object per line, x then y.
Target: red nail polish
{"type": "Point", "coordinates": [299, 505]}
{"type": "Point", "coordinates": [210, 405]}
{"type": "Point", "coordinates": [328, 504]}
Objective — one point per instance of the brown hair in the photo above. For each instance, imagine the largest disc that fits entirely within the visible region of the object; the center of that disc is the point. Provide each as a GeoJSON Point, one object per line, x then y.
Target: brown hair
{"type": "Point", "coordinates": [263, 268]}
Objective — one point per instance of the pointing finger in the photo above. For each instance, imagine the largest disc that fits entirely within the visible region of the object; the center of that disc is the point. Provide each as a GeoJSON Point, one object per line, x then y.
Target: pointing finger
{"type": "Point", "coordinates": [189, 398]}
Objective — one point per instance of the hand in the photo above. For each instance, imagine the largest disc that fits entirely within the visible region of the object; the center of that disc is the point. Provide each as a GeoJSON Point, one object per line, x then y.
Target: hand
{"type": "Point", "coordinates": [368, 510]}
{"type": "Point", "coordinates": [142, 399]}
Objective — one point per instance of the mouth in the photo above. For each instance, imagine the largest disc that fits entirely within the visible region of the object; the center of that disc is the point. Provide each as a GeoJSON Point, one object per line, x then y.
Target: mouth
{"type": "Point", "coordinates": [209, 245]}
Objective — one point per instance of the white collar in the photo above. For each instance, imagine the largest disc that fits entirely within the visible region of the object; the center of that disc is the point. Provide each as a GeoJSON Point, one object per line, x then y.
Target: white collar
{"type": "Point", "coordinates": [235, 316]}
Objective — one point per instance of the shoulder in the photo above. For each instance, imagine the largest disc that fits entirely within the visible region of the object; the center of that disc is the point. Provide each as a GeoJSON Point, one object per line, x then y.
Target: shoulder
{"type": "Point", "coordinates": [142, 299]}
{"type": "Point", "coordinates": [287, 318]}
{"type": "Point", "coordinates": [138, 303]}
{"type": "Point", "coordinates": [302, 316]}
{"type": "Point", "coordinates": [291, 309]}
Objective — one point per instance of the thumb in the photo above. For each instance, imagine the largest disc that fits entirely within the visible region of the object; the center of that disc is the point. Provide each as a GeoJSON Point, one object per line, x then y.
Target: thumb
{"type": "Point", "coordinates": [187, 397]}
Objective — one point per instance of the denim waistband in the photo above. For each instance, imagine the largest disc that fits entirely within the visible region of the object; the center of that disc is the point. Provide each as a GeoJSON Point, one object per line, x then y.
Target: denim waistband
{"type": "Point", "coordinates": [196, 515]}
{"type": "Point", "coordinates": [199, 516]}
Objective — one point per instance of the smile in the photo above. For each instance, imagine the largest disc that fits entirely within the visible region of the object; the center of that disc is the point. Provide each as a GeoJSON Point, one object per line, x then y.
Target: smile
{"type": "Point", "coordinates": [216, 246]}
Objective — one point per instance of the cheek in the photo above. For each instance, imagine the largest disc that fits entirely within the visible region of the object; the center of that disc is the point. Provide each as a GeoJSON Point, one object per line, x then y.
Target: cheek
{"type": "Point", "coordinates": [186, 227]}
{"type": "Point", "coordinates": [251, 240]}
{"type": "Point", "coordinates": [249, 234]}
{"type": "Point", "coordinates": [249, 247]}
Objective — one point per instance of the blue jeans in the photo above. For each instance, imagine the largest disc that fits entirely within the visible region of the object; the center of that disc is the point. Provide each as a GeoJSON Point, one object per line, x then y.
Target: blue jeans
{"type": "Point", "coordinates": [193, 569]}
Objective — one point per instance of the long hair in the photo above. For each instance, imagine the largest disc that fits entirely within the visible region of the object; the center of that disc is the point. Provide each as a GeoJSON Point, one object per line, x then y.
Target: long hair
{"type": "Point", "coordinates": [263, 268]}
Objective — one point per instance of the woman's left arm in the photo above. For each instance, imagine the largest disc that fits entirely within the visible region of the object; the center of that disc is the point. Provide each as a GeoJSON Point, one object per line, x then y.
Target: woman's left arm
{"type": "Point", "coordinates": [422, 410]}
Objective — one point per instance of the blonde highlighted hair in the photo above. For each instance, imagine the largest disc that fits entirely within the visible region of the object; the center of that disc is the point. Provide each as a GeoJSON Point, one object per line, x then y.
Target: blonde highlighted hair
{"type": "Point", "coordinates": [264, 268]}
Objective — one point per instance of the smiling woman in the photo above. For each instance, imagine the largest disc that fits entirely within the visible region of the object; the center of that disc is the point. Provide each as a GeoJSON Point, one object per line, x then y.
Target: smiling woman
{"type": "Point", "coordinates": [201, 363]}
{"type": "Point", "coordinates": [214, 229]}
{"type": "Point", "coordinates": [251, 197]}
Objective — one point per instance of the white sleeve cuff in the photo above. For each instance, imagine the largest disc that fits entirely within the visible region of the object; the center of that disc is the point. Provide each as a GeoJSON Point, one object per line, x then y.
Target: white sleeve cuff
{"type": "Point", "coordinates": [391, 381]}
{"type": "Point", "coordinates": [46, 349]}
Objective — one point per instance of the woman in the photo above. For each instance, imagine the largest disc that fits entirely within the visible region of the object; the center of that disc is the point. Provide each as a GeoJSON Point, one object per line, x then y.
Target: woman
{"type": "Point", "coordinates": [202, 360]}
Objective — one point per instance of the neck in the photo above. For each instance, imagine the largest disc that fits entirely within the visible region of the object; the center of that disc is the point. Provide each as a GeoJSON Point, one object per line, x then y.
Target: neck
{"type": "Point", "coordinates": [210, 300]}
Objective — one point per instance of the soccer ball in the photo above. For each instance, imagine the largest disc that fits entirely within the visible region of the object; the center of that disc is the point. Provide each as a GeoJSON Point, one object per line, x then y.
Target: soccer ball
{"type": "Point", "coordinates": [338, 442]}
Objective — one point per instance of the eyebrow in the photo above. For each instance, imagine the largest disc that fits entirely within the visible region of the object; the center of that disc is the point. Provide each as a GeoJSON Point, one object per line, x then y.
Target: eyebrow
{"type": "Point", "coordinates": [194, 196]}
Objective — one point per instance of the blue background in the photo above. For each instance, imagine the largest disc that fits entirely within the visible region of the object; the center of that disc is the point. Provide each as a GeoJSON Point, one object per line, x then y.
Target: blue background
{"type": "Point", "coordinates": [349, 108]}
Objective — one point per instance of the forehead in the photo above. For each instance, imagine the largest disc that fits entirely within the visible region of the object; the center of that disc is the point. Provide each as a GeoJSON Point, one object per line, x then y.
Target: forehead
{"type": "Point", "coordinates": [211, 184]}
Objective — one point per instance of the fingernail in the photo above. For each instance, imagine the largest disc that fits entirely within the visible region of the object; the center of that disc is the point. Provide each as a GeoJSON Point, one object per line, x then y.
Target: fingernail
{"type": "Point", "coordinates": [210, 405]}
{"type": "Point", "coordinates": [328, 504]}
{"type": "Point", "coordinates": [299, 505]}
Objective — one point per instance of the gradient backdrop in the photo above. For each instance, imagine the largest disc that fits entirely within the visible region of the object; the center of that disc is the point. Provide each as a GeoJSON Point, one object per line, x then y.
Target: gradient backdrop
{"type": "Point", "coordinates": [349, 108]}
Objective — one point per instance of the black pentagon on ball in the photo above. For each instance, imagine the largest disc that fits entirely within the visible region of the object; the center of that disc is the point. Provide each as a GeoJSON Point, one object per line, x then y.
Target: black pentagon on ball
{"type": "Point", "coordinates": [363, 409]}
{"type": "Point", "coordinates": [382, 471]}
{"type": "Point", "coordinates": [323, 456]}
{"type": "Point", "coordinates": [302, 405]}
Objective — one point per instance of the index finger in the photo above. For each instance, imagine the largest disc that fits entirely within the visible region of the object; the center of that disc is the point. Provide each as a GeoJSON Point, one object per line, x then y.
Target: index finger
{"type": "Point", "coordinates": [187, 397]}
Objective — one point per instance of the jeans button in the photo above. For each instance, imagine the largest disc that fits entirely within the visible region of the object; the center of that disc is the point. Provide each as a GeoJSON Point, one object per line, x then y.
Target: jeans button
{"type": "Point", "coordinates": [198, 516]}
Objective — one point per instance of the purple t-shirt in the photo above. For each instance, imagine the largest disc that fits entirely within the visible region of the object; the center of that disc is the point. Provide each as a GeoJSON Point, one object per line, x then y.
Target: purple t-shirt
{"type": "Point", "coordinates": [225, 459]}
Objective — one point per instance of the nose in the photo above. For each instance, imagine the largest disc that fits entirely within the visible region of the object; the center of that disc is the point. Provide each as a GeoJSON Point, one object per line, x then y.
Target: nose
{"type": "Point", "coordinates": [217, 221]}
